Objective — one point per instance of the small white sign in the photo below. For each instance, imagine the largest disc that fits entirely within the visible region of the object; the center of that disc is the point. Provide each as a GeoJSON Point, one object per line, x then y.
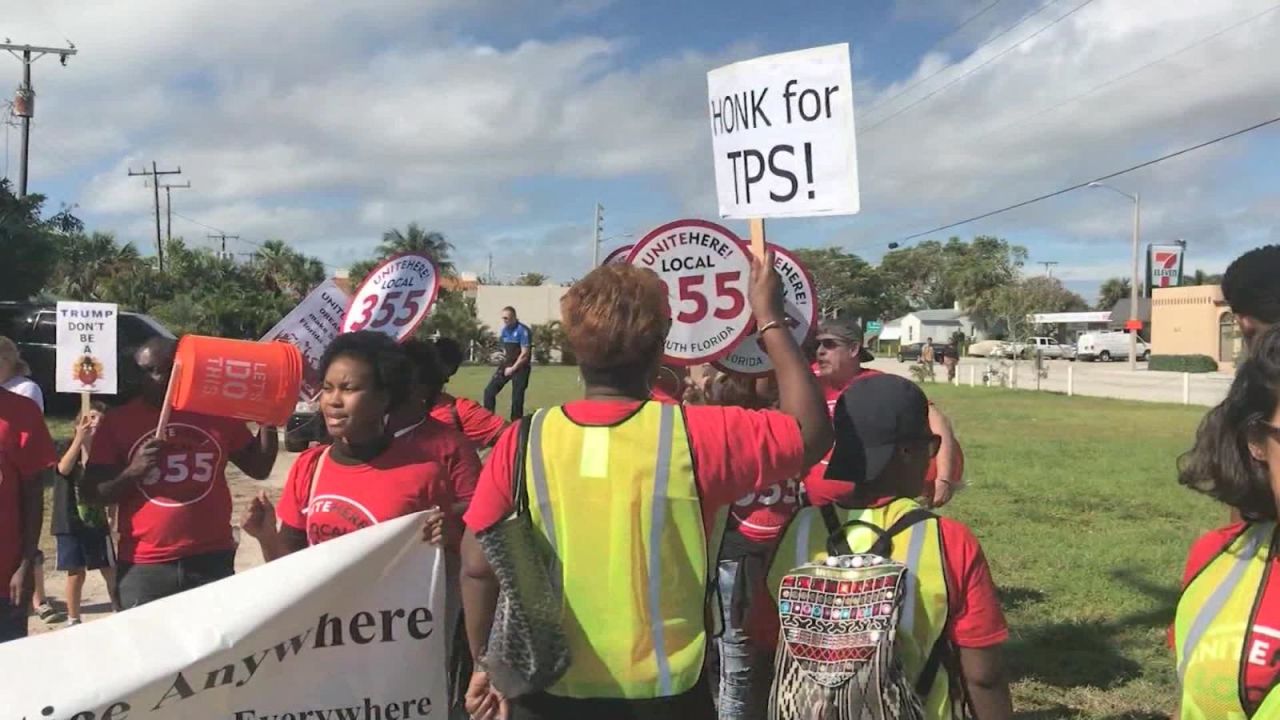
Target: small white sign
{"type": "Point", "coordinates": [783, 136]}
{"type": "Point", "coordinates": [707, 270]}
{"type": "Point", "coordinates": [395, 298]}
{"type": "Point", "coordinates": [800, 300]}
{"type": "Point", "coordinates": [310, 327]}
{"type": "Point", "coordinates": [86, 355]}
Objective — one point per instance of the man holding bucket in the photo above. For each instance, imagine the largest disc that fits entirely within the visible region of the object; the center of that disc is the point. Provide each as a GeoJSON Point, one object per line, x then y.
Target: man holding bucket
{"type": "Point", "coordinates": [174, 502]}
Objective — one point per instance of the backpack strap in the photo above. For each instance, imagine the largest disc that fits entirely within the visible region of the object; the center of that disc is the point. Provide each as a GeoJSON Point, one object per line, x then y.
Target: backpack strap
{"type": "Point", "coordinates": [521, 487]}
{"type": "Point", "coordinates": [838, 541]}
{"type": "Point", "coordinates": [932, 664]}
{"type": "Point", "coordinates": [315, 475]}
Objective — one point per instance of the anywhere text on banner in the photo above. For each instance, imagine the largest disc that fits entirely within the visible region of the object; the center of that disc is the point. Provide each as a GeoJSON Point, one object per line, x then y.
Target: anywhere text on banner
{"type": "Point", "coordinates": [352, 629]}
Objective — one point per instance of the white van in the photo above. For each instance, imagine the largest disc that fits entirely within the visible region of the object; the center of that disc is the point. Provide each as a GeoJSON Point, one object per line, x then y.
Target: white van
{"type": "Point", "coordinates": [1108, 346]}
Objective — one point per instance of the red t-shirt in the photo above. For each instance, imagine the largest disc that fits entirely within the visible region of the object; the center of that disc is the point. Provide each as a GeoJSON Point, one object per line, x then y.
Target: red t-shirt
{"type": "Point", "coordinates": [819, 489]}
{"type": "Point", "coordinates": [430, 466]}
{"type": "Point", "coordinates": [184, 508]}
{"type": "Point", "coordinates": [479, 425]}
{"type": "Point", "coordinates": [735, 451]}
{"type": "Point", "coordinates": [1262, 646]}
{"type": "Point", "coordinates": [25, 450]}
{"type": "Point", "coordinates": [975, 616]}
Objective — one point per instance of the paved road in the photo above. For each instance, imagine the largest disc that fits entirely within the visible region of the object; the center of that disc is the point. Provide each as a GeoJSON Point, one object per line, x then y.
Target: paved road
{"type": "Point", "coordinates": [1113, 380]}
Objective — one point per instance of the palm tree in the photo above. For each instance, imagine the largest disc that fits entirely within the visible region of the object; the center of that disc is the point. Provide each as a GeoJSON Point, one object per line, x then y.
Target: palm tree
{"type": "Point", "coordinates": [87, 263]}
{"type": "Point", "coordinates": [1113, 291]}
{"type": "Point", "coordinates": [415, 239]}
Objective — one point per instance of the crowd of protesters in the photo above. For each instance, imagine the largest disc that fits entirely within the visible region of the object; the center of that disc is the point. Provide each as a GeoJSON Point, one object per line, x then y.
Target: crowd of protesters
{"type": "Point", "coordinates": [671, 503]}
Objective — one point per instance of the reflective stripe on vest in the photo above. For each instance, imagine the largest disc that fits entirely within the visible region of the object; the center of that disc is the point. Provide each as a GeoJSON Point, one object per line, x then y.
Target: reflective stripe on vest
{"type": "Point", "coordinates": [1212, 625]}
{"type": "Point", "coordinates": [619, 506]}
{"type": "Point", "coordinates": [924, 613]}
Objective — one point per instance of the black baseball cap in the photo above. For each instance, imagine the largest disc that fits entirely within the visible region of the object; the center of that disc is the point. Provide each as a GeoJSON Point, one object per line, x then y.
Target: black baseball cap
{"type": "Point", "coordinates": [873, 416]}
{"type": "Point", "coordinates": [846, 331]}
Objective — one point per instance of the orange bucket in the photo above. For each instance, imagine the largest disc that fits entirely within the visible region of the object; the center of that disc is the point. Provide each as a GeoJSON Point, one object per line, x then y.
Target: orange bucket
{"type": "Point", "coordinates": [256, 381]}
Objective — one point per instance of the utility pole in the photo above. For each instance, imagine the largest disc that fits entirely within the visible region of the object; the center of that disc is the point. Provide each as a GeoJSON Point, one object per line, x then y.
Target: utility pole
{"type": "Point", "coordinates": [168, 209]}
{"type": "Point", "coordinates": [488, 278]}
{"type": "Point", "coordinates": [1048, 266]}
{"type": "Point", "coordinates": [24, 104]}
{"type": "Point", "coordinates": [154, 173]}
{"type": "Point", "coordinates": [223, 237]}
{"type": "Point", "coordinates": [597, 233]}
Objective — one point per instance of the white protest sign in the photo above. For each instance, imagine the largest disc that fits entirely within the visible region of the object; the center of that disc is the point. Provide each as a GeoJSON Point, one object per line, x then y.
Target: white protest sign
{"type": "Point", "coordinates": [352, 628]}
{"type": "Point", "coordinates": [707, 270]}
{"type": "Point", "coordinates": [783, 137]}
{"type": "Point", "coordinates": [86, 354]}
{"type": "Point", "coordinates": [310, 327]}
{"type": "Point", "coordinates": [800, 301]}
{"type": "Point", "coordinates": [395, 297]}
{"type": "Point", "coordinates": [619, 256]}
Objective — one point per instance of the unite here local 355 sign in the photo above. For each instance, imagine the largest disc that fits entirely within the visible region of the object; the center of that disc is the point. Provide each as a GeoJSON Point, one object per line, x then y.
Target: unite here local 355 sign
{"type": "Point", "coordinates": [782, 133]}
{"type": "Point", "coordinates": [86, 354]}
{"type": "Point", "coordinates": [395, 298]}
{"type": "Point", "coordinates": [1164, 266]}
{"type": "Point", "coordinates": [310, 327]}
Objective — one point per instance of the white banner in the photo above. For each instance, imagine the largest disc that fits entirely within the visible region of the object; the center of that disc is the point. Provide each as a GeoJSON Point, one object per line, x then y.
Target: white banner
{"type": "Point", "coordinates": [349, 630]}
{"type": "Point", "coordinates": [782, 134]}
{"type": "Point", "coordinates": [310, 327]}
{"type": "Point", "coordinates": [86, 356]}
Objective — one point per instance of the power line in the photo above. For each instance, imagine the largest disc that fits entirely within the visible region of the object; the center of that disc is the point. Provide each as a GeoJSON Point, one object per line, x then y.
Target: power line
{"type": "Point", "coordinates": [939, 71]}
{"type": "Point", "coordinates": [1133, 72]}
{"type": "Point", "coordinates": [1108, 176]}
{"type": "Point", "coordinates": [979, 67]}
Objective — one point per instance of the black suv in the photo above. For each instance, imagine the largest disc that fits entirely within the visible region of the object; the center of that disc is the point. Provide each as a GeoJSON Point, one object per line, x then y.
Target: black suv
{"type": "Point", "coordinates": [32, 326]}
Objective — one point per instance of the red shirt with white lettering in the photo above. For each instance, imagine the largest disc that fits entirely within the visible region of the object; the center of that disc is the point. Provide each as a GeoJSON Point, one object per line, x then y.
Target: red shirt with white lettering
{"type": "Point", "coordinates": [25, 450]}
{"type": "Point", "coordinates": [735, 452]}
{"type": "Point", "coordinates": [1262, 646]}
{"type": "Point", "coordinates": [184, 507]}
{"type": "Point", "coordinates": [470, 418]}
{"type": "Point", "coordinates": [430, 466]}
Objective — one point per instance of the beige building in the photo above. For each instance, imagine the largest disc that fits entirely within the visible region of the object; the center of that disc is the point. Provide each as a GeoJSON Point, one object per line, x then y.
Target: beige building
{"type": "Point", "coordinates": [1194, 320]}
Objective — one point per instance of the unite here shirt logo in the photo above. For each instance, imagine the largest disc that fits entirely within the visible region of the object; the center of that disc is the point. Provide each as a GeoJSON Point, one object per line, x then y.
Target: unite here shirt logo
{"type": "Point", "coordinates": [185, 472]}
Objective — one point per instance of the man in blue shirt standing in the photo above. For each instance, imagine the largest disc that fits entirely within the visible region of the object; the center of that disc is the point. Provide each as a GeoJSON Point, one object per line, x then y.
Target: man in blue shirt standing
{"type": "Point", "coordinates": [517, 341]}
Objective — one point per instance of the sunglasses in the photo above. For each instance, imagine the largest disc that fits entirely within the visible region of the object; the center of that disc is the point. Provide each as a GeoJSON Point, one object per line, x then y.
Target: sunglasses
{"type": "Point", "coordinates": [832, 344]}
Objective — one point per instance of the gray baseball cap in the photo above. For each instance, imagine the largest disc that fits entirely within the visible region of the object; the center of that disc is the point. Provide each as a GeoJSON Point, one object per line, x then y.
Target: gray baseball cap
{"type": "Point", "coordinates": [846, 331]}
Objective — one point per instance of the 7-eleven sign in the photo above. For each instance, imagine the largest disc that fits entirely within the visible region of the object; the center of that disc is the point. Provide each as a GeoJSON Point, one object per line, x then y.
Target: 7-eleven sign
{"type": "Point", "coordinates": [1164, 266]}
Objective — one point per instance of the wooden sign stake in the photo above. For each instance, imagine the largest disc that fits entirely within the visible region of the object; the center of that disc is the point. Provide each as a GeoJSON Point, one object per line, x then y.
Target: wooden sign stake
{"type": "Point", "coordinates": [757, 237]}
{"type": "Point", "coordinates": [85, 403]}
{"type": "Point", "coordinates": [167, 409]}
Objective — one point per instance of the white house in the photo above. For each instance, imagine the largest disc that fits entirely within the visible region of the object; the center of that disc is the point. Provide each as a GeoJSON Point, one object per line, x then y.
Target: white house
{"type": "Point", "coordinates": [940, 325]}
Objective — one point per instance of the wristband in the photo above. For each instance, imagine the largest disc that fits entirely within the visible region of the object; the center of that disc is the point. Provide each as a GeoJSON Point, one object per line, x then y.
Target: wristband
{"type": "Point", "coordinates": [768, 326]}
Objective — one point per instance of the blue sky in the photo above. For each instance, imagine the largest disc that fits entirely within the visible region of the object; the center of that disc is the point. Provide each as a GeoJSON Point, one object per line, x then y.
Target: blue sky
{"type": "Point", "coordinates": [502, 122]}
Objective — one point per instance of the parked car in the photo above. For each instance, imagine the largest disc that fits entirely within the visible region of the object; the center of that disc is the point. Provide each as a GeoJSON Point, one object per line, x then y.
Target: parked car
{"type": "Point", "coordinates": [1047, 347]}
{"type": "Point", "coordinates": [304, 426]}
{"type": "Point", "coordinates": [1108, 346]}
{"type": "Point", "coordinates": [911, 352]}
{"type": "Point", "coordinates": [984, 348]}
{"type": "Point", "coordinates": [32, 326]}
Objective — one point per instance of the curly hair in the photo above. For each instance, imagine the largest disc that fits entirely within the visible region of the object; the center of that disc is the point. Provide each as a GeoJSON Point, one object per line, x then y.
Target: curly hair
{"type": "Point", "coordinates": [392, 369]}
{"type": "Point", "coordinates": [1221, 464]}
{"type": "Point", "coordinates": [1250, 286]}
{"type": "Point", "coordinates": [429, 370]}
{"type": "Point", "coordinates": [616, 319]}
{"type": "Point", "coordinates": [451, 354]}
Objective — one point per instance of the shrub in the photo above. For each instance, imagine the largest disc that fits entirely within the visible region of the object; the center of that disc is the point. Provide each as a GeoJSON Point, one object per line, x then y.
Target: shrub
{"type": "Point", "coordinates": [1183, 363]}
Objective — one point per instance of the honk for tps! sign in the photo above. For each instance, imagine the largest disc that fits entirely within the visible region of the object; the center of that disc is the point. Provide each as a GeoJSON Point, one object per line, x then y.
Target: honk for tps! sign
{"type": "Point", "coordinates": [783, 136]}
{"type": "Point", "coordinates": [86, 354]}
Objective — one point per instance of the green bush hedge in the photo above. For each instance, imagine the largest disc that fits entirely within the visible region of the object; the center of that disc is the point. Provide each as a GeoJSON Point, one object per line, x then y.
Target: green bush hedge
{"type": "Point", "coordinates": [1183, 363]}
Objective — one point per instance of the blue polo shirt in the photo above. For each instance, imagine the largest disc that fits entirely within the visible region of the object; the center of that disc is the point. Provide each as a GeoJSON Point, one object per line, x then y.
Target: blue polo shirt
{"type": "Point", "coordinates": [514, 339]}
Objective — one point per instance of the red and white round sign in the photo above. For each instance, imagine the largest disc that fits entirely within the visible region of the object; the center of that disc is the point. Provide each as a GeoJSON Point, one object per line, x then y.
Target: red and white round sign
{"type": "Point", "coordinates": [800, 300]}
{"type": "Point", "coordinates": [395, 298]}
{"type": "Point", "coordinates": [619, 256]}
{"type": "Point", "coordinates": [187, 469]}
{"type": "Point", "coordinates": [707, 269]}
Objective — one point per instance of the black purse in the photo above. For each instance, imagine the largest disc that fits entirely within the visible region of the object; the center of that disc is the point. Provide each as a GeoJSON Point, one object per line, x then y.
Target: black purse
{"type": "Point", "coordinates": [527, 650]}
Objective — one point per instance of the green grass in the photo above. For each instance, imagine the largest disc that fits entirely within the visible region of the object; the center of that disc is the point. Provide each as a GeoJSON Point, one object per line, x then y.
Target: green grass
{"type": "Point", "coordinates": [1077, 506]}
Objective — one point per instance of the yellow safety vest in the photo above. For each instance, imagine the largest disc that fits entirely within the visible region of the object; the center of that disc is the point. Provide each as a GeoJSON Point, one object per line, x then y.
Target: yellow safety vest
{"type": "Point", "coordinates": [925, 609]}
{"type": "Point", "coordinates": [1212, 625]}
{"type": "Point", "coordinates": [619, 506]}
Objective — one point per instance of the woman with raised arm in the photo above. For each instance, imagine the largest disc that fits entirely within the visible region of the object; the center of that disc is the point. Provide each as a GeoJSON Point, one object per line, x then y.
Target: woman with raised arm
{"type": "Point", "coordinates": [627, 495]}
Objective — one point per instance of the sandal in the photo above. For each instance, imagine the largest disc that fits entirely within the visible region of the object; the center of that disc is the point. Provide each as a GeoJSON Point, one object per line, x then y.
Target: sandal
{"type": "Point", "coordinates": [49, 615]}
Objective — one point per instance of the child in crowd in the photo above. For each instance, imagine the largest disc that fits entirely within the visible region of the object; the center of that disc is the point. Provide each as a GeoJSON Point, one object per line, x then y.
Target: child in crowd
{"type": "Point", "coordinates": [83, 532]}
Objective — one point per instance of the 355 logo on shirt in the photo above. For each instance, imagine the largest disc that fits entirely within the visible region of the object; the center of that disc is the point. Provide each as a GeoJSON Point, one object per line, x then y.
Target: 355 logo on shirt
{"type": "Point", "coordinates": [186, 468]}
